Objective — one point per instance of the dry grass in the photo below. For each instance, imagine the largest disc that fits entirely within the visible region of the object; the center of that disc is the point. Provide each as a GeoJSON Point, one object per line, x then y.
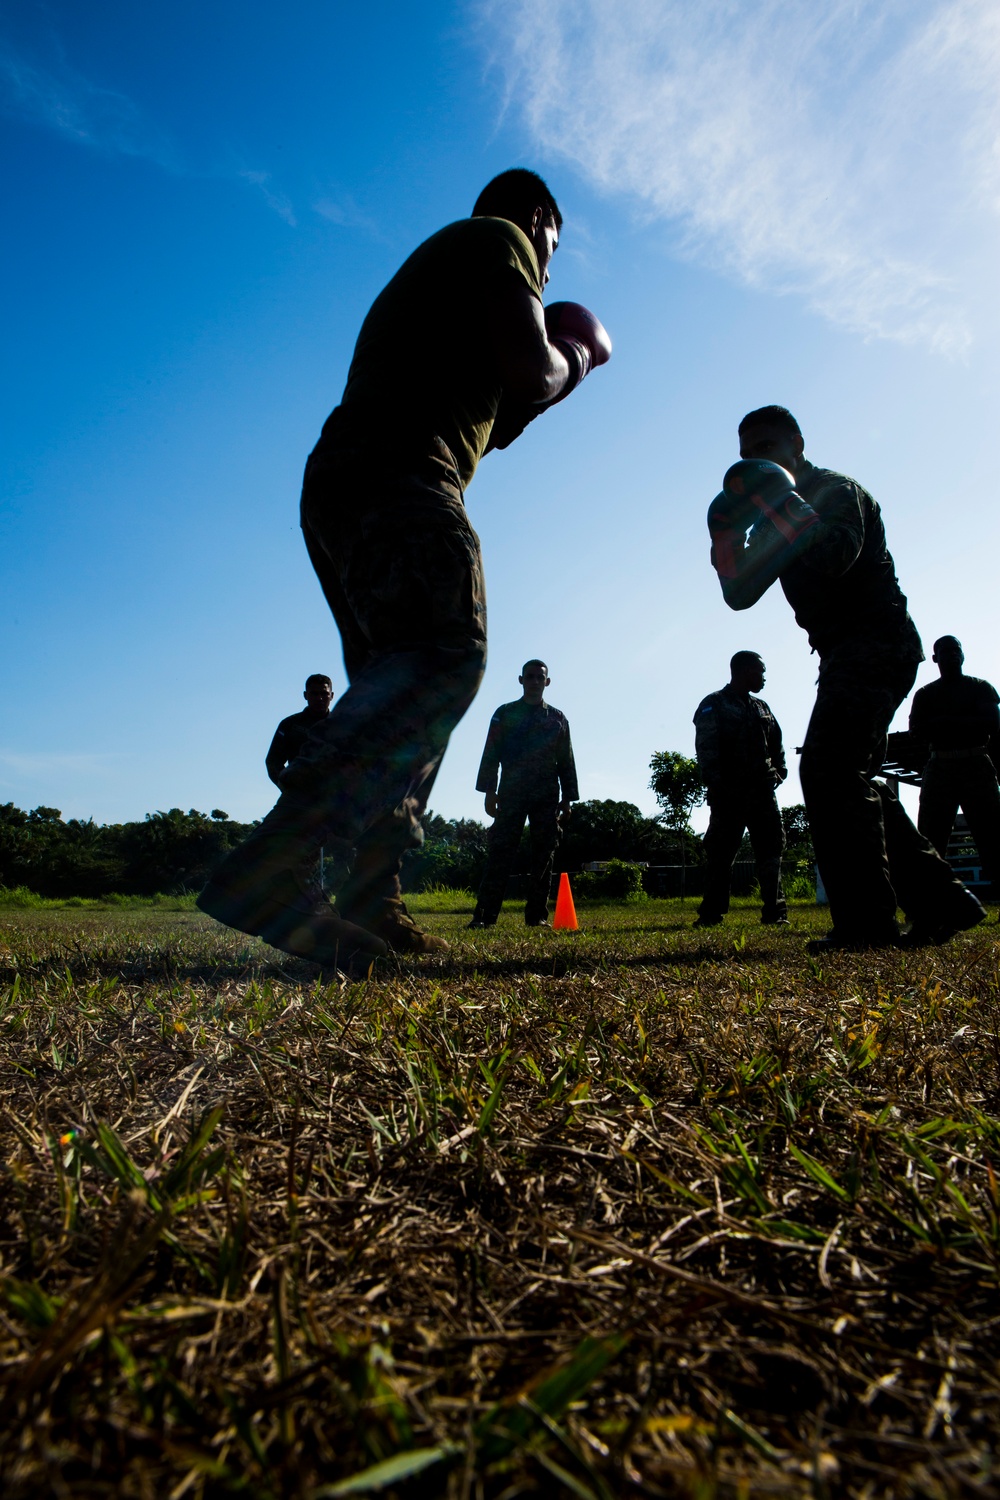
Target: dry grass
{"type": "Point", "coordinates": [622, 1212]}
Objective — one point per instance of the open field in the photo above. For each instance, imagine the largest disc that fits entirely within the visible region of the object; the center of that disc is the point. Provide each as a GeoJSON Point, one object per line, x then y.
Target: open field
{"type": "Point", "coordinates": [633, 1211]}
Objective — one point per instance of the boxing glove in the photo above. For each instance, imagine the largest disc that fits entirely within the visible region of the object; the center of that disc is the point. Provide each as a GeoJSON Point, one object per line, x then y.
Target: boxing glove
{"type": "Point", "coordinates": [729, 518]}
{"type": "Point", "coordinates": [581, 339]}
{"type": "Point", "coordinates": [770, 489]}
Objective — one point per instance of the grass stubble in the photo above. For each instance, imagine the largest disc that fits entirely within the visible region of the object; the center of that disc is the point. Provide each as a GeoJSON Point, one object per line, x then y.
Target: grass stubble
{"type": "Point", "coordinates": [637, 1210]}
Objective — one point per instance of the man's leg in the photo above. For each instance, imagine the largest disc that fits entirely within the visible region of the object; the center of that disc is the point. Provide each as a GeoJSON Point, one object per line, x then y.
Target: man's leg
{"type": "Point", "coordinates": [722, 841]}
{"type": "Point", "coordinates": [544, 821]}
{"type": "Point", "coordinates": [400, 567]}
{"type": "Point", "coordinates": [938, 805]}
{"type": "Point", "coordinates": [767, 835]}
{"type": "Point", "coordinates": [502, 843]}
{"type": "Point", "coordinates": [935, 901]}
{"type": "Point", "coordinates": [860, 687]}
{"type": "Point", "coordinates": [981, 805]}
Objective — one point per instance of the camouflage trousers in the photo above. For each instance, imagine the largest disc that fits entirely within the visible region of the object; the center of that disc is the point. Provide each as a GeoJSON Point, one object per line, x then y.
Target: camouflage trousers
{"type": "Point", "coordinates": [733, 812]}
{"type": "Point", "coordinates": [870, 856]}
{"type": "Point", "coordinates": [503, 841]}
{"type": "Point", "coordinates": [401, 570]}
{"type": "Point", "coordinates": [969, 783]}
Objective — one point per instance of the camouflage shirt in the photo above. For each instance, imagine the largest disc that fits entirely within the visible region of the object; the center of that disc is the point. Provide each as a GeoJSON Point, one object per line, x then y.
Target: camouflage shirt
{"type": "Point", "coordinates": [289, 737]}
{"type": "Point", "coordinates": [531, 741]}
{"type": "Point", "coordinates": [960, 714]}
{"type": "Point", "coordinates": [844, 586]}
{"type": "Point", "coordinates": [738, 741]}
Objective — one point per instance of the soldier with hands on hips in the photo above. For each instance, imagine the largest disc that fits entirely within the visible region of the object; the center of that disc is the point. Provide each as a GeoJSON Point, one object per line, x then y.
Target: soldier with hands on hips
{"type": "Point", "coordinates": [530, 741]}
{"type": "Point", "coordinates": [954, 727]}
{"type": "Point", "coordinates": [455, 356]}
{"type": "Point", "coordinates": [781, 517]}
{"type": "Point", "coordinates": [740, 755]}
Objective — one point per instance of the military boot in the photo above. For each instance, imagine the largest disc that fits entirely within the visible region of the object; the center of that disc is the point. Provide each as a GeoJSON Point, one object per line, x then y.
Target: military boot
{"type": "Point", "coordinates": [268, 888]}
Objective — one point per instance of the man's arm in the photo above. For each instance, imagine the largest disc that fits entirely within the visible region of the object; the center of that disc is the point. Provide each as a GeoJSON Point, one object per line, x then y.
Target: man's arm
{"type": "Point", "coordinates": [776, 750]}
{"type": "Point", "coordinates": [708, 743]}
{"type": "Point", "coordinates": [276, 758]}
{"type": "Point", "coordinates": [489, 766]}
{"type": "Point", "coordinates": [532, 371]}
{"type": "Point", "coordinates": [526, 338]}
{"type": "Point", "coordinates": [566, 766]}
{"type": "Point", "coordinates": [835, 543]}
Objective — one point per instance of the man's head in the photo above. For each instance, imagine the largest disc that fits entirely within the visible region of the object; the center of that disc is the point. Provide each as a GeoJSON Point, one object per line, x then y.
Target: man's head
{"type": "Point", "coordinates": [949, 656]}
{"type": "Point", "coordinates": [534, 679]}
{"type": "Point", "coordinates": [318, 693]}
{"type": "Point", "coordinates": [524, 198]}
{"type": "Point", "coordinates": [746, 672]}
{"type": "Point", "coordinates": [771, 432]}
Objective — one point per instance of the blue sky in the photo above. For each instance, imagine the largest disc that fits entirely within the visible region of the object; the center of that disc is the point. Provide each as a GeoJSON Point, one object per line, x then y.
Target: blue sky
{"type": "Point", "coordinates": [794, 202]}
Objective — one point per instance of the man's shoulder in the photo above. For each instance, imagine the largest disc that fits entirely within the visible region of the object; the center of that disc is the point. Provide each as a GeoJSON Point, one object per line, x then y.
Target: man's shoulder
{"type": "Point", "coordinates": [711, 703]}
{"type": "Point", "coordinates": [293, 721]}
{"type": "Point", "coordinates": [481, 243]}
{"type": "Point", "coordinates": [814, 483]}
{"type": "Point", "coordinates": [557, 714]}
{"type": "Point", "coordinates": [983, 687]}
{"type": "Point", "coordinates": [507, 710]}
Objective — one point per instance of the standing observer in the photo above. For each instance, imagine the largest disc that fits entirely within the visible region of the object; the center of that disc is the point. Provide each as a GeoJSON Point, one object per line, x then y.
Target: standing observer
{"type": "Point", "coordinates": [292, 733]}
{"type": "Point", "coordinates": [741, 757]}
{"type": "Point", "coordinates": [779, 516]}
{"type": "Point", "coordinates": [529, 740]}
{"type": "Point", "coordinates": [455, 357]}
{"type": "Point", "coordinates": [954, 725]}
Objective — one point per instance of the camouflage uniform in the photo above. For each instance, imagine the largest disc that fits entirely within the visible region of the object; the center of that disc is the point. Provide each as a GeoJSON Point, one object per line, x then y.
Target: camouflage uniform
{"type": "Point", "coordinates": [739, 750]}
{"type": "Point", "coordinates": [532, 741]}
{"type": "Point", "coordinates": [844, 591]}
{"type": "Point", "coordinates": [954, 721]}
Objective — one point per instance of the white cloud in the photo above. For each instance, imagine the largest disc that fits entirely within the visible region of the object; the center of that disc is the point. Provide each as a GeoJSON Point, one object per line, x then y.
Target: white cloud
{"type": "Point", "coordinates": [83, 111]}
{"type": "Point", "coordinates": [844, 150]}
{"type": "Point", "coordinates": [343, 211]}
{"type": "Point", "coordinates": [275, 201]}
{"type": "Point", "coordinates": [62, 100]}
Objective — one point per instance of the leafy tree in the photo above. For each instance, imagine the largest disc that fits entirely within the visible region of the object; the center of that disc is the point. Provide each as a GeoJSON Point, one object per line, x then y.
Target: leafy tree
{"type": "Point", "coordinates": [679, 787]}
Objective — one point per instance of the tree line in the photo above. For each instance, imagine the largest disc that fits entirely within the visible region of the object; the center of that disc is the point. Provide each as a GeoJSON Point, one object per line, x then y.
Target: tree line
{"type": "Point", "coordinates": [173, 852]}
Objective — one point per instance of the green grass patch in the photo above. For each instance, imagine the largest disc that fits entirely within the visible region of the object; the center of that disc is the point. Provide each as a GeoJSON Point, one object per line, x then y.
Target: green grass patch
{"type": "Point", "coordinates": [633, 1210]}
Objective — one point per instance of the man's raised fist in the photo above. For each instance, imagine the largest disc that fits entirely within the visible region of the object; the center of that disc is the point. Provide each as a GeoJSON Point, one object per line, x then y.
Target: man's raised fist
{"type": "Point", "coordinates": [581, 339]}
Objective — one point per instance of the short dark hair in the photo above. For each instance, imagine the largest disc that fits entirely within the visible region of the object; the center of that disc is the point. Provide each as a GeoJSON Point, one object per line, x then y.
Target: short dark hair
{"type": "Point", "coordinates": [315, 678]}
{"type": "Point", "coordinates": [771, 416]}
{"type": "Point", "coordinates": [535, 662]}
{"type": "Point", "coordinates": [515, 195]}
{"type": "Point", "coordinates": [947, 640]}
{"type": "Point", "coordinates": [744, 656]}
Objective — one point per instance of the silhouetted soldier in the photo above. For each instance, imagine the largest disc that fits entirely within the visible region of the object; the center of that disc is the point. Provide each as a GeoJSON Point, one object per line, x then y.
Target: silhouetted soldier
{"type": "Point", "coordinates": [530, 740]}
{"type": "Point", "coordinates": [738, 744]}
{"type": "Point", "coordinates": [455, 356]}
{"type": "Point", "coordinates": [292, 733]}
{"type": "Point", "coordinates": [954, 723]}
{"type": "Point", "coordinates": [823, 535]}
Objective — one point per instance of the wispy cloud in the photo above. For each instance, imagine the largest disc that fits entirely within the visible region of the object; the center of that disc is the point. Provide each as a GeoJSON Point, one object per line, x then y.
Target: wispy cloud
{"type": "Point", "coordinates": [275, 200]}
{"type": "Point", "coordinates": [61, 99]}
{"type": "Point", "coordinates": [844, 150]}
{"type": "Point", "coordinates": [71, 105]}
{"type": "Point", "coordinates": [343, 210]}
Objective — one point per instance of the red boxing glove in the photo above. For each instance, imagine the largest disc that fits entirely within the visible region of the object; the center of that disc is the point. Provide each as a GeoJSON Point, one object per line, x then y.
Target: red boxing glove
{"type": "Point", "coordinates": [581, 339]}
{"type": "Point", "coordinates": [771, 489]}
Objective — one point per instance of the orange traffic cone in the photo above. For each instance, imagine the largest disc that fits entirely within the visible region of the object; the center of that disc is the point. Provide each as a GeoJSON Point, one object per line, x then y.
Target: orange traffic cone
{"type": "Point", "coordinates": [565, 910]}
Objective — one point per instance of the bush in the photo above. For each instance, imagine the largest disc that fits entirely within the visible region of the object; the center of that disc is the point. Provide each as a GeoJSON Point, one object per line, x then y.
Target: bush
{"type": "Point", "coordinates": [619, 881]}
